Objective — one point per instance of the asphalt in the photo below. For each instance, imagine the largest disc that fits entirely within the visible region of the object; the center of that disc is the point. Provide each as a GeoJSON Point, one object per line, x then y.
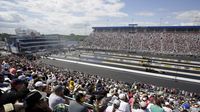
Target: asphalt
{"type": "Point", "coordinates": [104, 62]}
{"type": "Point", "coordinates": [127, 76]}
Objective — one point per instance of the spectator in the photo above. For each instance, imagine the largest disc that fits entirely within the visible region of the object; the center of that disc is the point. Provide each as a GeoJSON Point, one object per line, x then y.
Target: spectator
{"type": "Point", "coordinates": [56, 97]}
{"type": "Point", "coordinates": [114, 107]}
{"type": "Point", "coordinates": [2, 84]}
{"type": "Point", "coordinates": [34, 102]}
{"type": "Point", "coordinates": [60, 108]}
{"type": "Point", "coordinates": [15, 93]}
{"type": "Point", "coordinates": [157, 106]}
{"type": "Point", "coordinates": [124, 106]}
{"type": "Point", "coordinates": [39, 86]}
{"type": "Point", "coordinates": [36, 71]}
{"type": "Point", "coordinates": [143, 107]}
{"type": "Point", "coordinates": [167, 107]}
{"type": "Point", "coordinates": [78, 106]}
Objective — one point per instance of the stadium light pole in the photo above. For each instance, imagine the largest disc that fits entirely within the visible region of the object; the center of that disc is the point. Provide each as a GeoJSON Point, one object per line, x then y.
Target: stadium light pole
{"type": "Point", "coordinates": [107, 22]}
{"type": "Point", "coordinates": [132, 20]}
{"type": "Point", "coordinates": [161, 21]}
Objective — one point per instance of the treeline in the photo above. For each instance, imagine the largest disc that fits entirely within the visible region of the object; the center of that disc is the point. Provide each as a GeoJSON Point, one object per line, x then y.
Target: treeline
{"type": "Point", "coordinates": [3, 36]}
{"type": "Point", "coordinates": [73, 37]}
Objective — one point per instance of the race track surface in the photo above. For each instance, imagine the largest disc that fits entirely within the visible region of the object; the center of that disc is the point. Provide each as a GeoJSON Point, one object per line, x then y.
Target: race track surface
{"type": "Point", "coordinates": [126, 76]}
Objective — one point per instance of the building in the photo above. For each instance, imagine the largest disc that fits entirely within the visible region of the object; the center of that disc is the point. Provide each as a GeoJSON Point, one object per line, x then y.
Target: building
{"type": "Point", "coordinates": [26, 42]}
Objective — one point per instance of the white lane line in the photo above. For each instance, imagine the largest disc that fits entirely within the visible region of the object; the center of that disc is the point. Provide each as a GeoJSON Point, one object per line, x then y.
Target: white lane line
{"type": "Point", "coordinates": [142, 67]}
{"type": "Point", "coordinates": [164, 64]}
{"type": "Point", "coordinates": [162, 59]}
{"type": "Point", "coordinates": [158, 61]}
{"type": "Point", "coordinates": [157, 69]}
{"type": "Point", "coordinates": [128, 70]}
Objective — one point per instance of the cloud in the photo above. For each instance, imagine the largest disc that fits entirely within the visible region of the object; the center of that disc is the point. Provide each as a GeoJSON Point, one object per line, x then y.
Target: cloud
{"type": "Point", "coordinates": [58, 16]}
{"type": "Point", "coordinates": [188, 15]}
{"type": "Point", "coordinates": [162, 9]}
{"type": "Point", "coordinates": [145, 14]}
{"type": "Point", "coordinates": [191, 17]}
{"type": "Point", "coordinates": [11, 17]}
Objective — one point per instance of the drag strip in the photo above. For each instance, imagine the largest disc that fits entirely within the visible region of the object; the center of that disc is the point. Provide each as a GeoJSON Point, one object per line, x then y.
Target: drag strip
{"type": "Point", "coordinates": [175, 73]}
{"type": "Point", "coordinates": [127, 75]}
{"type": "Point", "coordinates": [154, 60]}
{"type": "Point", "coordinates": [160, 67]}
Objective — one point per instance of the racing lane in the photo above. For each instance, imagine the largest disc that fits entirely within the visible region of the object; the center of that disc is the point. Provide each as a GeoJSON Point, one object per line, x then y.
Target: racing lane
{"type": "Point", "coordinates": [127, 76]}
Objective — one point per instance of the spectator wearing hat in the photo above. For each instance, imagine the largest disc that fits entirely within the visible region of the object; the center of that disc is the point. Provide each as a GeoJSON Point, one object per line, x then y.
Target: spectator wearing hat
{"type": "Point", "coordinates": [57, 97]}
{"type": "Point", "coordinates": [77, 105]}
{"type": "Point", "coordinates": [39, 86]}
{"type": "Point", "coordinates": [124, 106]}
{"type": "Point", "coordinates": [143, 107]}
{"type": "Point", "coordinates": [34, 102]}
{"type": "Point", "coordinates": [114, 107]}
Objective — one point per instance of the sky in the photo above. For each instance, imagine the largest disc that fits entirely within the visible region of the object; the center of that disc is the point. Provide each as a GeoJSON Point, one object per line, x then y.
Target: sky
{"type": "Point", "coordinates": [79, 16]}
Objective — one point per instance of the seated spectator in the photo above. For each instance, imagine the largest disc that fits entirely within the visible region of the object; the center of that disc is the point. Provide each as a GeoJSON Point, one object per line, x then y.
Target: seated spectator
{"type": "Point", "coordinates": [114, 107]}
{"type": "Point", "coordinates": [124, 106]}
{"type": "Point", "coordinates": [15, 93]}
{"type": "Point", "coordinates": [143, 107]}
{"type": "Point", "coordinates": [157, 106]}
{"type": "Point", "coordinates": [167, 107]}
{"type": "Point", "coordinates": [39, 86]}
{"type": "Point", "coordinates": [57, 97]}
{"type": "Point", "coordinates": [77, 106]}
{"type": "Point", "coordinates": [6, 73]}
{"type": "Point", "coordinates": [2, 84]}
{"type": "Point", "coordinates": [60, 108]}
{"type": "Point", "coordinates": [185, 107]}
{"type": "Point", "coordinates": [34, 102]}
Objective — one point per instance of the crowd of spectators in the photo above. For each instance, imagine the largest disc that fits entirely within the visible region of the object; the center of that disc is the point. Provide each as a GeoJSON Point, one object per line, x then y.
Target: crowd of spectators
{"type": "Point", "coordinates": [181, 43]}
{"type": "Point", "coordinates": [32, 86]}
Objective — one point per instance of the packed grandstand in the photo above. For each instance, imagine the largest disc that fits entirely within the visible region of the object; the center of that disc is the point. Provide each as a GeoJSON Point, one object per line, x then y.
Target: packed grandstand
{"type": "Point", "coordinates": [177, 40]}
{"type": "Point", "coordinates": [31, 85]}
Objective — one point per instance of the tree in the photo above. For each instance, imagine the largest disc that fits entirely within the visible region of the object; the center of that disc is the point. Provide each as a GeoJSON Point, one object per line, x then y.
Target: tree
{"type": "Point", "coordinates": [3, 36]}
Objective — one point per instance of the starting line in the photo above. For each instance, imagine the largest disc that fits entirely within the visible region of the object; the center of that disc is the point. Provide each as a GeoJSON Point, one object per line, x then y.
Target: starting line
{"type": "Point", "coordinates": [128, 70]}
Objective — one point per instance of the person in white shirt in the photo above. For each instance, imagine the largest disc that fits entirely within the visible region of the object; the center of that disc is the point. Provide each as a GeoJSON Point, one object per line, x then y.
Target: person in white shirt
{"type": "Point", "coordinates": [124, 106]}
{"type": "Point", "coordinates": [143, 107]}
{"type": "Point", "coordinates": [167, 107]}
{"type": "Point", "coordinates": [114, 107]}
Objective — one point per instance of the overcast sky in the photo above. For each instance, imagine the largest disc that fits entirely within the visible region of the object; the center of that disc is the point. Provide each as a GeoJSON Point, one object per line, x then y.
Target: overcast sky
{"type": "Point", "coordinates": [78, 16]}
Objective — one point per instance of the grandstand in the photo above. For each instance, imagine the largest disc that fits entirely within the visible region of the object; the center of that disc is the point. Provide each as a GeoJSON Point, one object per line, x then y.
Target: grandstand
{"type": "Point", "coordinates": [33, 44]}
{"type": "Point", "coordinates": [100, 72]}
{"type": "Point", "coordinates": [175, 40]}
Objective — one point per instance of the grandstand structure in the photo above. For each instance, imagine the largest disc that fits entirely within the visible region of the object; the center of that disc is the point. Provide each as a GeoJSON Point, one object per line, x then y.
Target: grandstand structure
{"type": "Point", "coordinates": [175, 40]}
{"type": "Point", "coordinates": [27, 44]}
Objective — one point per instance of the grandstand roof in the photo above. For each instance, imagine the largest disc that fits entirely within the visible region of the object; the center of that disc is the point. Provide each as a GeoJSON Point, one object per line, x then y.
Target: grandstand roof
{"type": "Point", "coordinates": [148, 27]}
